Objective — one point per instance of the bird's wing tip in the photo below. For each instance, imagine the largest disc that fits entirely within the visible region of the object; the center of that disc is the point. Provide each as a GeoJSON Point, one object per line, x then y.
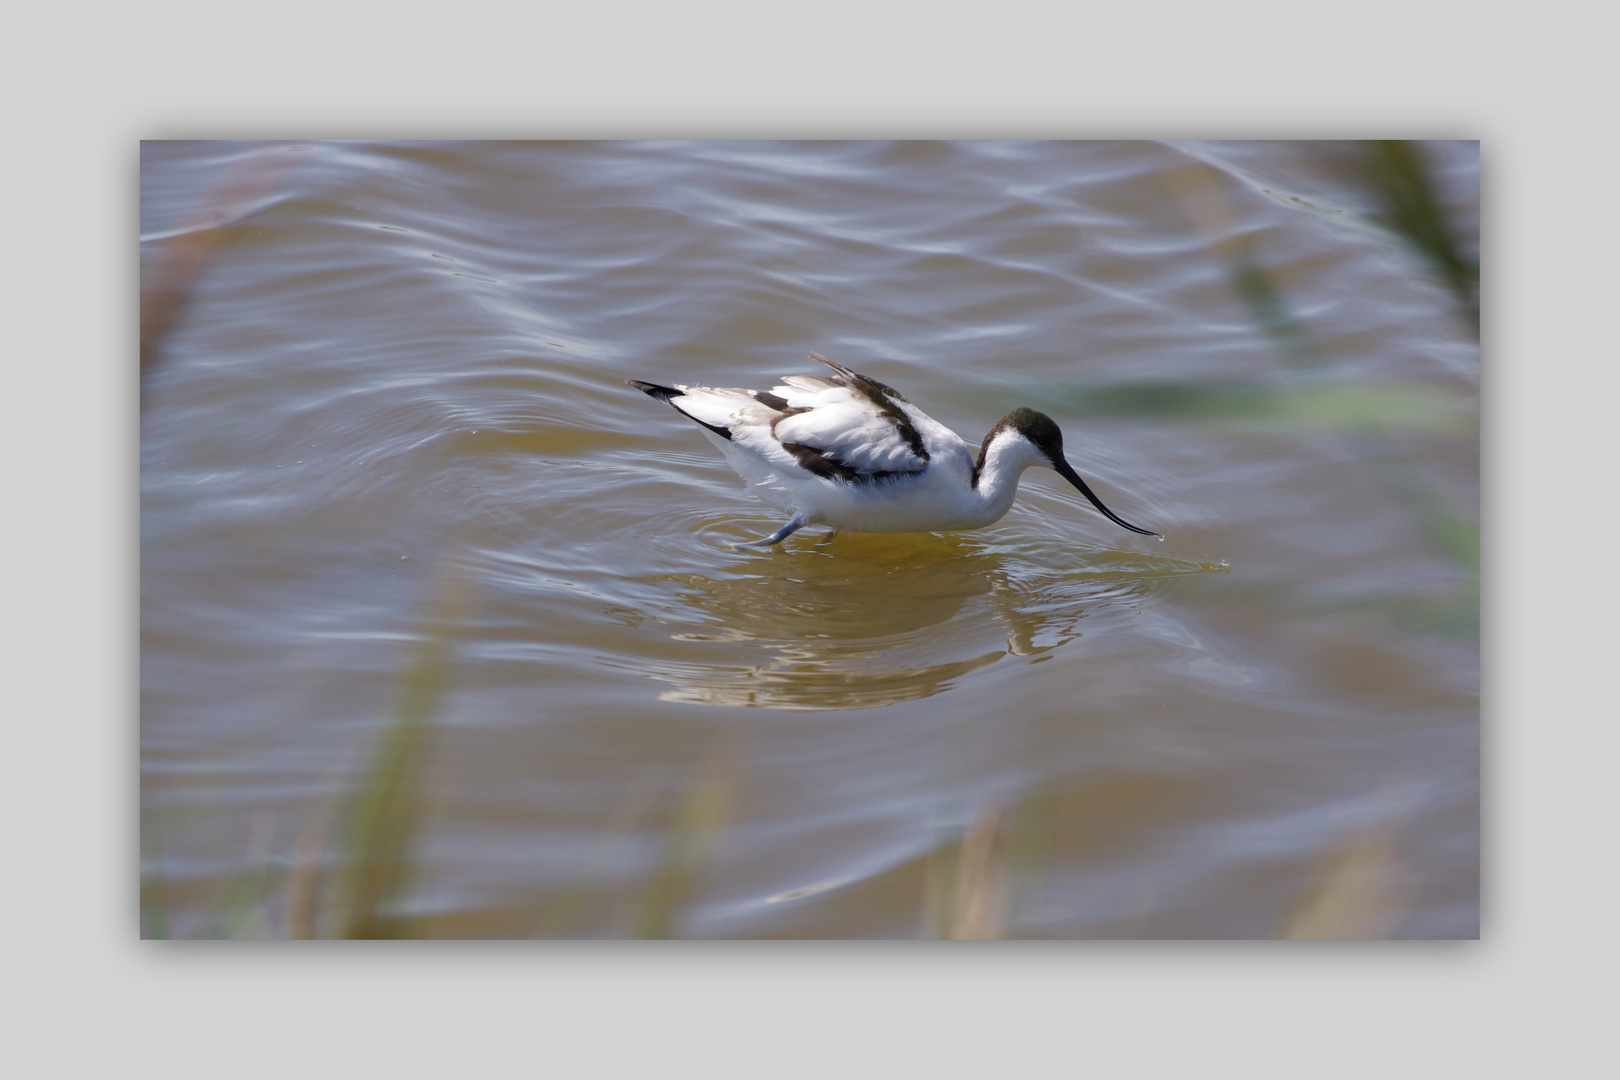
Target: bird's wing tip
{"type": "Point", "coordinates": [843, 372]}
{"type": "Point", "coordinates": [662, 393]}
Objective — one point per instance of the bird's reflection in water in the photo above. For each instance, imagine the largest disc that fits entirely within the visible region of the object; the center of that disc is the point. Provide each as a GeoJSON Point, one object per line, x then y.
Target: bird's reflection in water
{"type": "Point", "coordinates": [869, 620]}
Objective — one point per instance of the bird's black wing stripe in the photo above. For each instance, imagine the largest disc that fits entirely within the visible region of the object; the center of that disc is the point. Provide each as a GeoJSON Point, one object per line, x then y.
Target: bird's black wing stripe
{"type": "Point", "coordinates": [884, 397]}
{"type": "Point", "coordinates": [814, 461]}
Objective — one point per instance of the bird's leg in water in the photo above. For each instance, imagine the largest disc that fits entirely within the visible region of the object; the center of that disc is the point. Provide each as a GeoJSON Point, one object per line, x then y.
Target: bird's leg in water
{"type": "Point", "coordinates": [778, 536]}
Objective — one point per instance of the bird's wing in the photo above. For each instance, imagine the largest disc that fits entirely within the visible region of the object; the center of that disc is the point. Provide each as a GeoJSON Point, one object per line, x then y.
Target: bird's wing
{"type": "Point", "coordinates": [843, 427]}
{"type": "Point", "coordinates": [848, 427]}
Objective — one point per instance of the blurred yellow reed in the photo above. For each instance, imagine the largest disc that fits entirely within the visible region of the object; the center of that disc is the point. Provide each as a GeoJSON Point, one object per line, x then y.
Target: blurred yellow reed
{"type": "Point", "coordinates": [174, 269]}
{"type": "Point", "coordinates": [1356, 893]}
{"type": "Point", "coordinates": [1198, 189]}
{"type": "Point", "coordinates": [637, 801]}
{"type": "Point", "coordinates": [965, 892]}
{"type": "Point", "coordinates": [702, 815]}
{"type": "Point", "coordinates": [304, 879]}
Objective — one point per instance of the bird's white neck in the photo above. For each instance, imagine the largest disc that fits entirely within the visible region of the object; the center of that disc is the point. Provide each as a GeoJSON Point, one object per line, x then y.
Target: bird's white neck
{"type": "Point", "coordinates": [1005, 460]}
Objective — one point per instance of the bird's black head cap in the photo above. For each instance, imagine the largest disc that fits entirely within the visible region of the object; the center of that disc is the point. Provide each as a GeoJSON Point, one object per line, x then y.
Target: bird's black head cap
{"type": "Point", "coordinates": [1038, 428]}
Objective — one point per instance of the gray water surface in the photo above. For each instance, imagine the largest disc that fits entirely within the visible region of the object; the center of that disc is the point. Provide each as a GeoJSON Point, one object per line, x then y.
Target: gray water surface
{"type": "Point", "coordinates": [391, 475]}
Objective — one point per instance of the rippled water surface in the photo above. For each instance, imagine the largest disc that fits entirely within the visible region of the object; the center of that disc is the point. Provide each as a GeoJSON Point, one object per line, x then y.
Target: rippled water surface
{"type": "Point", "coordinates": [443, 632]}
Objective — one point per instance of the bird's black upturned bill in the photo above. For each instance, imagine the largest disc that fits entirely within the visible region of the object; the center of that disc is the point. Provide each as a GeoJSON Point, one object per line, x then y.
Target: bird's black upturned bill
{"type": "Point", "coordinates": [1065, 470]}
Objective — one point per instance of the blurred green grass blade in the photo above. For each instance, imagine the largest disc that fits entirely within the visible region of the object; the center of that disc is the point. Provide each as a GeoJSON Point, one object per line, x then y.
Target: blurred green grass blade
{"type": "Point", "coordinates": [1453, 532]}
{"type": "Point", "coordinates": [154, 883]}
{"type": "Point", "coordinates": [939, 874]}
{"type": "Point", "coordinates": [1269, 311]}
{"type": "Point", "coordinates": [1454, 616]}
{"type": "Point", "coordinates": [1393, 169]}
{"type": "Point", "coordinates": [1305, 409]}
{"type": "Point", "coordinates": [383, 821]}
{"type": "Point", "coordinates": [385, 815]}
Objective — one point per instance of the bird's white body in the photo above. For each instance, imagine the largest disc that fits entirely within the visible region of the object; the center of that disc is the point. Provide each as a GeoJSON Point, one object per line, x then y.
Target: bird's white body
{"type": "Point", "coordinates": [851, 453]}
{"type": "Point", "coordinates": [940, 497]}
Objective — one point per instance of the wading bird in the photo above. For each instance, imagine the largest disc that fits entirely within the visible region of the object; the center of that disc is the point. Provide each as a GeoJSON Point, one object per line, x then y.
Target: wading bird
{"type": "Point", "coordinates": [848, 452]}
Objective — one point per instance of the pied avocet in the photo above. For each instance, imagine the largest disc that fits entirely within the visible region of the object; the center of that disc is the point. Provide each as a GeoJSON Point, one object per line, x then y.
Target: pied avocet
{"type": "Point", "coordinates": [848, 452]}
